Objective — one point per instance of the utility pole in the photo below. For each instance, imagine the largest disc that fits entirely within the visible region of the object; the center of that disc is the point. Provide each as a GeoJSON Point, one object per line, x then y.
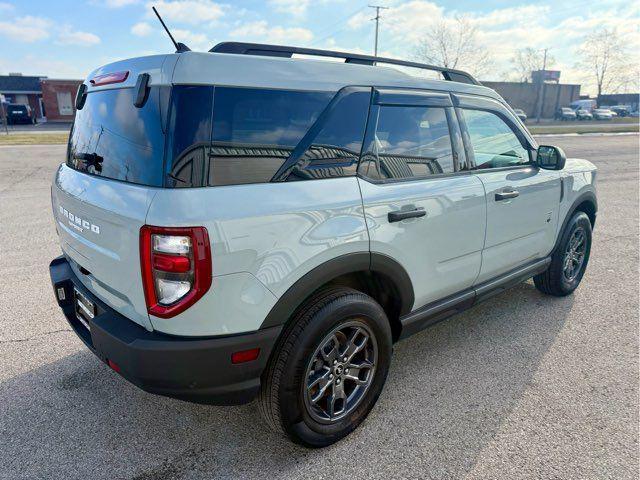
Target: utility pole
{"type": "Point", "coordinates": [541, 87]}
{"type": "Point", "coordinates": [377, 19]}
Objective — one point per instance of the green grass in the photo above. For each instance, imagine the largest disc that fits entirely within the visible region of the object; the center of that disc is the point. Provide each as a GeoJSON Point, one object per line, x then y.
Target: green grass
{"type": "Point", "coordinates": [33, 138]}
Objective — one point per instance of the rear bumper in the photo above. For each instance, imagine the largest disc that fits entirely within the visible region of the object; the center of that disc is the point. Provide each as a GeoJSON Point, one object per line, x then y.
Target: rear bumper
{"type": "Point", "coordinates": [193, 369]}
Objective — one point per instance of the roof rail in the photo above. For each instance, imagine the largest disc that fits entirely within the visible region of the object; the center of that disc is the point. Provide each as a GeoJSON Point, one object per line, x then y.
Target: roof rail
{"type": "Point", "coordinates": [261, 49]}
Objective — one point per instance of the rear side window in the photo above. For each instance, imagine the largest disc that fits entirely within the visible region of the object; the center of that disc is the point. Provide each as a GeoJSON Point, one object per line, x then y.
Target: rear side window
{"type": "Point", "coordinates": [255, 131]}
{"type": "Point", "coordinates": [410, 142]}
{"type": "Point", "coordinates": [335, 148]}
{"type": "Point", "coordinates": [188, 142]}
{"type": "Point", "coordinates": [493, 142]}
{"type": "Point", "coordinates": [112, 138]}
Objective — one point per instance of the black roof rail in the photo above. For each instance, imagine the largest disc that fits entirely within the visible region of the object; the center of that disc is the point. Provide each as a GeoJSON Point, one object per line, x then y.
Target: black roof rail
{"type": "Point", "coordinates": [261, 49]}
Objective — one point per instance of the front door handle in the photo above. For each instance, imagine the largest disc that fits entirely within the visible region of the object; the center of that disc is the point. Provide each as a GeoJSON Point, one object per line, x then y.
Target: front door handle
{"type": "Point", "coordinates": [506, 195]}
{"type": "Point", "coordinates": [400, 215]}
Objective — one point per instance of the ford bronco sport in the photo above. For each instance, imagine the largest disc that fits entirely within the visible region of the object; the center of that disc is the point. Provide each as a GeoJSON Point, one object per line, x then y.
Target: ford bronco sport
{"type": "Point", "coordinates": [242, 223]}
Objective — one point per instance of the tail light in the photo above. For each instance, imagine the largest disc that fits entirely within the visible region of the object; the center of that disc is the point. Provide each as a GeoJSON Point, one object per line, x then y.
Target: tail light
{"type": "Point", "coordinates": [176, 268]}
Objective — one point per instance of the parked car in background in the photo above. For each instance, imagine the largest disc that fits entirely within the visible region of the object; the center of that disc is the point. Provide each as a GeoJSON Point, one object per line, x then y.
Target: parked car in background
{"type": "Point", "coordinates": [620, 110]}
{"type": "Point", "coordinates": [583, 114]}
{"type": "Point", "coordinates": [565, 113]}
{"type": "Point", "coordinates": [520, 113]}
{"type": "Point", "coordinates": [19, 114]}
{"type": "Point", "coordinates": [602, 114]}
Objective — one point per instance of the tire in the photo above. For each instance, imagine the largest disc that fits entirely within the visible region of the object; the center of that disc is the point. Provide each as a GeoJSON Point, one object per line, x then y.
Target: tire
{"type": "Point", "coordinates": [564, 274]}
{"type": "Point", "coordinates": [298, 370]}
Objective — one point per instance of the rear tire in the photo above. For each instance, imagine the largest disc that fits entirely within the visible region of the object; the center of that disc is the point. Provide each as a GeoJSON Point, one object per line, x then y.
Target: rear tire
{"type": "Point", "coordinates": [570, 259]}
{"type": "Point", "coordinates": [328, 368]}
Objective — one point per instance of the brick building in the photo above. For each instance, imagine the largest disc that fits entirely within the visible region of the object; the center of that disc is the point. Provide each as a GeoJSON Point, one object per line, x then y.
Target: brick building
{"type": "Point", "coordinates": [51, 99]}
{"type": "Point", "coordinates": [22, 90]}
{"type": "Point", "coordinates": [58, 97]}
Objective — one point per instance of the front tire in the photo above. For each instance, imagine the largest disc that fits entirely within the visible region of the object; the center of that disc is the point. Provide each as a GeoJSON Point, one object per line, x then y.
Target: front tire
{"type": "Point", "coordinates": [570, 259]}
{"type": "Point", "coordinates": [328, 368]}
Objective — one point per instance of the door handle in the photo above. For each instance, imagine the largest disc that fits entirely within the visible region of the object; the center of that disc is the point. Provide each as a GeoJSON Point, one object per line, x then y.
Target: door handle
{"type": "Point", "coordinates": [506, 195]}
{"type": "Point", "coordinates": [400, 215]}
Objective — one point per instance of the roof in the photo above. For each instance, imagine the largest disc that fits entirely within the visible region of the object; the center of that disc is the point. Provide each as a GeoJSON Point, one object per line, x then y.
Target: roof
{"type": "Point", "coordinates": [301, 74]}
{"type": "Point", "coordinates": [19, 83]}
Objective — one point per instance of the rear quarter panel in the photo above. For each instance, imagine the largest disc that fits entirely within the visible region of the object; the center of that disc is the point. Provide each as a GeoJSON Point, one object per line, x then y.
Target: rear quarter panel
{"type": "Point", "coordinates": [264, 237]}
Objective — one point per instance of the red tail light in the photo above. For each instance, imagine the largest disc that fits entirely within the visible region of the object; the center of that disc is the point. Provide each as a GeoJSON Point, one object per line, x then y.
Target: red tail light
{"type": "Point", "coordinates": [176, 268]}
{"type": "Point", "coordinates": [109, 78]}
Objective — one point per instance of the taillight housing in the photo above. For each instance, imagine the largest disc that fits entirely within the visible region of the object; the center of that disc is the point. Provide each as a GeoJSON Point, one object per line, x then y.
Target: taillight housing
{"type": "Point", "coordinates": [176, 268]}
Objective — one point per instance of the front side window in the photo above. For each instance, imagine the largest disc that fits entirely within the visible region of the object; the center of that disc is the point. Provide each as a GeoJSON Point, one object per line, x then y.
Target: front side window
{"type": "Point", "coordinates": [493, 143]}
{"type": "Point", "coordinates": [255, 130]}
{"type": "Point", "coordinates": [410, 142]}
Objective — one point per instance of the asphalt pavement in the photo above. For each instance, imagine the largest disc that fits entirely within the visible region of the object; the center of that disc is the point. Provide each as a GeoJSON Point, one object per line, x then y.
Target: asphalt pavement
{"type": "Point", "coordinates": [521, 386]}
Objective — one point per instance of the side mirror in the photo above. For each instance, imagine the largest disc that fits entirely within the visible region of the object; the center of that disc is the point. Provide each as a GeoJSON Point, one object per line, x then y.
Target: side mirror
{"type": "Point", "coordinates": [550, 157]}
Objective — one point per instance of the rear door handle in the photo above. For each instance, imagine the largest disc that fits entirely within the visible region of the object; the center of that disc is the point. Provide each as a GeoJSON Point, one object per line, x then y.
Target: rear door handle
{"type": "Point", "coordinates": [506, 195]}
{"type": "Point", "coordinates": [400, 215]}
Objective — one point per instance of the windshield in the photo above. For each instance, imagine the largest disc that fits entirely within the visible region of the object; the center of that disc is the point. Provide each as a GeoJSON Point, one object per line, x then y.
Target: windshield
{"type": "Point", "coordinates": [114, 139]}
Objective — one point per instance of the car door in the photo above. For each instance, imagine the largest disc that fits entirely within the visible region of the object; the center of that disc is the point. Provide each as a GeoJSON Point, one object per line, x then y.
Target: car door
{"type": "Point", "coordinates": [421, 209]}
{"type": "Point", "coordinates": [522, 199]}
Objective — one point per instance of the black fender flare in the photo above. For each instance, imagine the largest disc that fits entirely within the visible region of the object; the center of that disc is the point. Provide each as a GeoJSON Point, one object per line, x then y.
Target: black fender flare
{"type": "Point", "coordinates": [334, 268]}
{"type": "Point", "coordinates": [588, 196]}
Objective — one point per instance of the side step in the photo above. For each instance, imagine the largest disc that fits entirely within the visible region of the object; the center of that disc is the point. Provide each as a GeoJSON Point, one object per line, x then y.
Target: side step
{"type": "Point", "coordinates": [435, 312]}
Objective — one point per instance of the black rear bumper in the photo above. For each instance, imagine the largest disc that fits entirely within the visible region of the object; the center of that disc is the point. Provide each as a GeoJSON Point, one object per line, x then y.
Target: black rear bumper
{"type": "Point", "coordinates": [193, 369]}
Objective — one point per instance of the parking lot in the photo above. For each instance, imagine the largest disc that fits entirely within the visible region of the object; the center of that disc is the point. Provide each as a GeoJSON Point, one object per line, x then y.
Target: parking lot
{"type": "Point", "coordinates": [521, 386]}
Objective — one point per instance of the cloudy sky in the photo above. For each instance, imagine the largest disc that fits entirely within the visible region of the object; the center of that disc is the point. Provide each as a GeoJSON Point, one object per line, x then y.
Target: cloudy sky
{"type": "Point", "coordinates": [68, 38]}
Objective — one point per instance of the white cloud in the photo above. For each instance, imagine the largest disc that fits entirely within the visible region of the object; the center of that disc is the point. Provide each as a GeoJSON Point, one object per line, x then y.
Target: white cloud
{"type": "Point", "coordinates": [195, 41]}
{"type": "Point", "coordinates": [81, 39]}
{"type": "Point", "coordinates": [293, 7]}
{"type": "Point", "coordinates": [261, 31]}
{"type": "Point", "coordinates": [5, 7]}
{"type": "Point", "coordinates": [115, 3]}
{"type": "Point", "coordinates": [141, 29]}
{"type": "Point", "coordinates": [189, 11]}
{"type": "Point", "coordinates": [26, 29]}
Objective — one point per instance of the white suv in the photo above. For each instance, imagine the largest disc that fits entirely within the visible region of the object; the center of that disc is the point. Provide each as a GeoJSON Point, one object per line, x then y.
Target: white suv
{"type": "Point", "coordinates": [242, 223]}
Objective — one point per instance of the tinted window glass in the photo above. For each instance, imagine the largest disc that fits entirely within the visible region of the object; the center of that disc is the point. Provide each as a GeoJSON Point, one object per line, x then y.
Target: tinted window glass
{"type": "Point", "coordinates": [335, 150]}
{"type": "Point", "coordinates": [412, 142]}
{"type": "Point", "coordinates": [190, 127]}
{"type": "Point", "coordinates": [114, 139]}
{"type": "Point", "coordinates": [255, 131]}
{"type": "Point", "coordinates": [493, 142]}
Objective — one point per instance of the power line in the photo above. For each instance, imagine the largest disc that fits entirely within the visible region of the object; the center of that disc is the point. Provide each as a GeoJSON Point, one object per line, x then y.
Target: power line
{"type": "Point", "coordinates": [377, 19]}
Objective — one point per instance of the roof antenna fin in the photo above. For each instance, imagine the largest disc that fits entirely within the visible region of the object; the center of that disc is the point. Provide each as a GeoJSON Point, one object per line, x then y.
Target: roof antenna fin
{"type": "Point", "coordinates": [180, 47]}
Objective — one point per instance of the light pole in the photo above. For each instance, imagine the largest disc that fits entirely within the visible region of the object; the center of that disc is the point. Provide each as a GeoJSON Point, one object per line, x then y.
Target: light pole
{"type": "Point", "coordinates": [541, 87]}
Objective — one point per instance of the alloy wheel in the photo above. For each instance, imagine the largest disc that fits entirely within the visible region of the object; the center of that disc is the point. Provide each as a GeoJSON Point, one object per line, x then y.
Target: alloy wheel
{"type": "Point", "coordinates": [340, 372]}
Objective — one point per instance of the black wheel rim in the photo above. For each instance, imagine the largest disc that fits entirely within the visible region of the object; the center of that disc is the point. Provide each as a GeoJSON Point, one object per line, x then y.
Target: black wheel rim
{"type": "Point", "coordinates": [574, 254]}
{"type": "Point", "coordinates": [340, 372]}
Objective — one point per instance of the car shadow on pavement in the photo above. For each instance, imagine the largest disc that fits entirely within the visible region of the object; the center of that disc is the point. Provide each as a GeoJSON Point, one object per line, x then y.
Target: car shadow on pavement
{"type": "Point", "coordinates": [449, 390]}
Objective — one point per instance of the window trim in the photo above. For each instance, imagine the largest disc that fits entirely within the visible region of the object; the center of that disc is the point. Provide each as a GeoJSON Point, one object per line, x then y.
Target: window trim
{"type": "Point", "coordinates": [306, 141]}
{"type": "Point", "coordinates": [421, 97]}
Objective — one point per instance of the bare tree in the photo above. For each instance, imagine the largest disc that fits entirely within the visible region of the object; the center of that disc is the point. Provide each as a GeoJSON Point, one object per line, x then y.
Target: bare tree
{"type": "Point", "coordinates": [527, 60]}
{"type": "Point", "coordinates": [604, 55]}
{"type": "Point", "coordinates": [453, 43]}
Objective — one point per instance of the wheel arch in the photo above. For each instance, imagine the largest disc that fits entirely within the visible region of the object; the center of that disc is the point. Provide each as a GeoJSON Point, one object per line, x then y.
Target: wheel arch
{"type": "Point", "coordinates": [587, 203]}
{"type": "Point", "coordinates": [375, 274]}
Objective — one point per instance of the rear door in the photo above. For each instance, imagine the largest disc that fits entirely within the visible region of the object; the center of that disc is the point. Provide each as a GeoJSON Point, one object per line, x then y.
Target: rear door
{"type": "Point", "coordinates": [102, 193]}
{"type": "Point", "coordinates": [421, 208]}
{"type": "Point", "coordinates": [522, 199]}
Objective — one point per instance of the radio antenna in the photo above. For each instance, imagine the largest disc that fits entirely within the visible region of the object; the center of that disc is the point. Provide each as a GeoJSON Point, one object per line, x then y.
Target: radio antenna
{"type": "Point", "coordinates": [180, 47]}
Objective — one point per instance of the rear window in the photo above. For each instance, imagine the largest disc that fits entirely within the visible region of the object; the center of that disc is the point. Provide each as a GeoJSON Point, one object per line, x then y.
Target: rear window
{"type": "Point", "coordinates": [112, 138]}
{"type": "Point", "coordinates": [17, 109]}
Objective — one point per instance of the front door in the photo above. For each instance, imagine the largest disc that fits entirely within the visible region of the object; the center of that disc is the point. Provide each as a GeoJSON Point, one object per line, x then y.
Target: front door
{"type": "Point", "coordinates": [420, 210]}
{"type": "Point", "coordinates": [522, 199]}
